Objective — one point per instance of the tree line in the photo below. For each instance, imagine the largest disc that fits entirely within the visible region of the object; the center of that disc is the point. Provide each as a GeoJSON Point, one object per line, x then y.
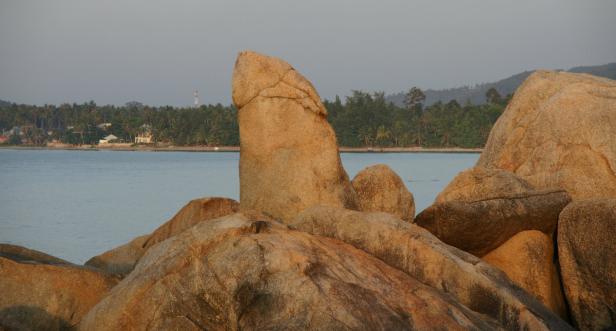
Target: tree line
{"type": "Point", "coordinates": [362, 120]}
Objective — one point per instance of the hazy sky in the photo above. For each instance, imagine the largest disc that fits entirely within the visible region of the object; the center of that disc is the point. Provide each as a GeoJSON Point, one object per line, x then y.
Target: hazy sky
{"type": "Point", "coordinates": [157, 52]}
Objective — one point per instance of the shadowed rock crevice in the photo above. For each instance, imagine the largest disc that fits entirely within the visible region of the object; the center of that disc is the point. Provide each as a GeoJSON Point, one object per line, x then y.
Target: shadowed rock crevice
{"type": "Point", "coordinates": [32, 318]}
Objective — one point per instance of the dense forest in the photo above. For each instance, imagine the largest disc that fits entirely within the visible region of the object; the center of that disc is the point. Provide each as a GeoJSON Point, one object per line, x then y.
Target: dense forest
{"type": "Point", "coordinates": [363, 119]}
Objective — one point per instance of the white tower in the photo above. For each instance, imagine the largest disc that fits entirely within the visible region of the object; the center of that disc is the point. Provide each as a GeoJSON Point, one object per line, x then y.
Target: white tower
{"type": "Point", "coordinates": [196, 95]}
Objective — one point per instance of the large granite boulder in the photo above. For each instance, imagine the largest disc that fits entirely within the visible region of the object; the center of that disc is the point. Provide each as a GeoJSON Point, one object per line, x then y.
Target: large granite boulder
{"type": "Point", "coordinates": [528, 260]}
{"type": "Point", "coordinates": [379, 188]}
{"type": "Point", "coordinates": [237, 273]}
{"type": "Point", "coordinates": [288, 153]}
{"type": "Point", "coordinates": [479, 227]}
{"type": "Point", "coordinates": [121, 260]}
{"type": "Point", "coordinates": [421, 255]}
{"type": "Point", "coordinates": [480, 183]}
{"type": "Point", "coordinates": [559, 131]}
{"type": "Point", "coordinates": [587, 257]}
{"type": "Point", "coordinates": [41, 292]}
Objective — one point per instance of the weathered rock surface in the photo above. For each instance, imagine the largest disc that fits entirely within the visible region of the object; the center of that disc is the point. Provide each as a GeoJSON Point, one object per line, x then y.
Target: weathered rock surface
{"type": "Point", "coordinates": [559, 131]}
{"type": "Point", "coordinates": [236, 273]}
{"type": "Point", "coordinates": [288, 153]}
{"type": "Point", "coordinates": [40, 292]}
{"type": "Point", "coordinates": [482, 183]}
{"type": "Point", "coordinates": [587, 257]}
{"type": "Point", "coordinates": [121, 260]}
{"type": "Point", "coordinates": [379, 188]}
{"type": "Point", "coordinates": [418, 253]}
{"type": "Point", "coordinates": [195, 211]}
{"type": "Point", "coordinates": [479, 227]}
{"type": "Point", "coordinates": [528, 260]}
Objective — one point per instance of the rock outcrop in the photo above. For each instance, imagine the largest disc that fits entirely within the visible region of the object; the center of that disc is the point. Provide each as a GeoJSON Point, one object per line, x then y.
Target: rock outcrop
{"type": "Point", "coordinates": [587, 257]}
{"type": "Point", "coordinates": [379, 188]}
{"type": "Point", "coordinates": [418, 253]}
{"type": "Point", "coordinates": [23, 254]}
{"type": "Point", "coordinates": [482, 183]}
{"type": "Point", "coordinates": [288, 153]}
{"type": "Point", "coordinates": [121, 260]}
{"type": "Point", "coordinates": [527, 257]}
{"type": "Point", "coordinates": [237, 273]}
{"type": "Point", "coordinates": [528, 260]}
{"type": "Point", "coordinates": [559, 131]}
{"type": "Point", "coordinates": [479, 227]}
{"type": "Point", "coordinates": [41, 292]}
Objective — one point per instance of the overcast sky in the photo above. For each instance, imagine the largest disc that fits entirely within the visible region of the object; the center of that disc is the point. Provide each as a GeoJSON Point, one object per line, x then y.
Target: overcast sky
{"type": "Point", "coordinates": [158, 52]}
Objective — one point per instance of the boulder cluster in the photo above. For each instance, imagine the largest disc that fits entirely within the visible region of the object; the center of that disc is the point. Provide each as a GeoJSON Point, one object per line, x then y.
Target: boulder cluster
{"type": "Point", "coordinates": [522, 241]}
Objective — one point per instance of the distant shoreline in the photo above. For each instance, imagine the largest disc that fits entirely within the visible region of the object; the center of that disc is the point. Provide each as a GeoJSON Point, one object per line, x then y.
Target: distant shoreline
{"type": "Point", "coordinates": [145, 148]}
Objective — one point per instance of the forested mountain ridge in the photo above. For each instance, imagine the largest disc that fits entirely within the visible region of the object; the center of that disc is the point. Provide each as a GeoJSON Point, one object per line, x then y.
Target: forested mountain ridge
{"type": "Point", "coordinates": [476, 94]}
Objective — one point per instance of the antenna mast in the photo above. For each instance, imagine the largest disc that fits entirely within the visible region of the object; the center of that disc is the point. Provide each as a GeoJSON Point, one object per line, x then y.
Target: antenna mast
{"type": "Point", "coordinates": [196, 95]}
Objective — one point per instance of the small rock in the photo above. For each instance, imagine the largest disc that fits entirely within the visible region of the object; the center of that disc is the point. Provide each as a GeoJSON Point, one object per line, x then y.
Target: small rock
{"type": "Point", "coordinates": [379, 188]}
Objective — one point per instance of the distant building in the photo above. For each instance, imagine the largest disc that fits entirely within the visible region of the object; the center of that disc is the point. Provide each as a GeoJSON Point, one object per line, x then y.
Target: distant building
{"type": "Point", "coordinates": [108, 139]}
{"type": "Point", "coordinates": [15, 131]}
{"type": "Point", "coordinates": [144, 138]}
{"type": "Point", "coordinates": [104, 126]}
{"type": "Point", "coordinates": [145, 135]}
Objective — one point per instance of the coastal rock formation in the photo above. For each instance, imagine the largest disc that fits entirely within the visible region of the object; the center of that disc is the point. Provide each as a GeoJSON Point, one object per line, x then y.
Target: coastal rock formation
{"type": "Point", "coordinates": [528, 260]}
{"type": "Point", "coordinates": [23, 254]}
{"type": "Point", "coordinates": [559, 131]}
{"type": "Point", "coordinates": [40, 292]}
{"type": "Point", "coordinates": [418, 253]}
{"type": "Point", "coordinates": [479, 227]}
{"type": "Point", "coordinates": [379, 188]}
{"type": "Point", "coordinates": [528, 256]}
{"type": "Point", "coordinates": [121, 260]}
{"type": "Point", "coordinates": [587, 257]}
{"type": "Point", "coordinates": [195, 211]}
{"type": "Point", "coordinates": [480, 183]}
{"type": "Point", "coordinates": [288, 154]}
{"type": "Point", "coordinates": [239, 273]}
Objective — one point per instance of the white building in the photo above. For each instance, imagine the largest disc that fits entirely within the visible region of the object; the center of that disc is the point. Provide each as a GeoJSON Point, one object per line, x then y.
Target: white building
{"type": "Point", "coordinates": [145, 135]}
{"type": "Point", "coordinates": [144, 138]}
{"type": "Point", "coordinates": [108, 139]}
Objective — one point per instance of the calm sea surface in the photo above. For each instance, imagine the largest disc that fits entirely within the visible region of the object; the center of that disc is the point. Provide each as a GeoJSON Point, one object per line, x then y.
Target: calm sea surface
{"type": "Point", "coordinates": [77, 204]}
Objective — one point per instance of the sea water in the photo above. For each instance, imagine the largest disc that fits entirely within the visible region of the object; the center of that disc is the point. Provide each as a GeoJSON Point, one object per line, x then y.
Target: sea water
{"type": "Point", "coordinates": [78, 204]}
